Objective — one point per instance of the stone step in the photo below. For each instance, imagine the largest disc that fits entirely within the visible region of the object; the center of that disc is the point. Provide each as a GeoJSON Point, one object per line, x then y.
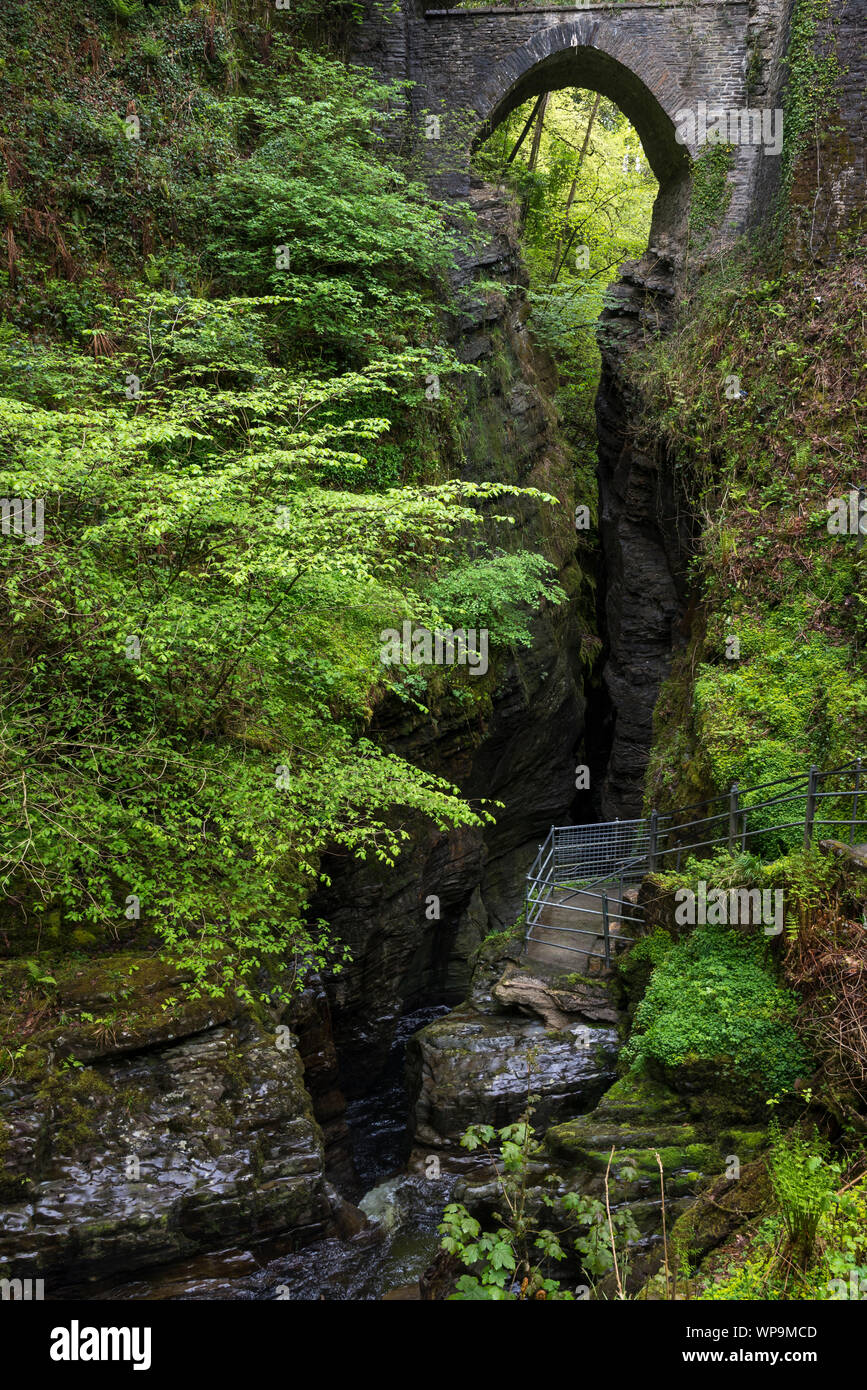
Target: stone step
{"type": "Point", "coordinates": [570, 934]}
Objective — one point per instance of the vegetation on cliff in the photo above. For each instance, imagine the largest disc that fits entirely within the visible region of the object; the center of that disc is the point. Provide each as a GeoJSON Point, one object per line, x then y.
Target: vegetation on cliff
{"type": "Point", "coordinates": [222, 377]}
{"type": "Point", "coordinates": [757, 399]}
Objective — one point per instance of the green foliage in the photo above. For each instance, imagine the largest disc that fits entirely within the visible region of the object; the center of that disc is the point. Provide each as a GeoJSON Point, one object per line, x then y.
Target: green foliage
{"type": "Point", "coordinates": [496, 591]}
{"type": "Point", "coordinates": [805, 1184]}
{"type": "Point", "coordinates": [203, 614]}
{"type": "Point", "coordinates": [758, 471]}
{"type": "Point", "coordinates": [791, 699]}
{"type": "Point", "coordinates": [125, 9]}
{"type": "Point", "coordinates": [244, 482]}
{"type": "Point", "coordinates": [36, 974]}
{"type": "Point", "coordinates": [711, 194]}
{"type": "Point", "coordinates": [568, 202]}
{"type": "Point", "coordinates": [757, 1276]}
{"type": "Point", "coordinates": [810, 94]}
{"type": "Point", "coordinates": [636, 965]}
{"type": "Point", "coordinates": [651, 949]}
{"type": "Point", "coordinates": [842, 1237]}
{"type": "Point", "coordinates": [511, 1261]}
{"type": "Point", "coordinates": [507, 1262]}
{"type": "Point", "coordinates": [360, 237]}
{"type": "Point", "coordinates": [816, 1248]}
{"type": "Point", "coordinates": [808, 878]}
{"type": "Point", "coordinates": [595, 1245]}
{"type": "Point", "coordinates": [722, 869]}
{"type": "Point", "coordinates": [713, 1000]}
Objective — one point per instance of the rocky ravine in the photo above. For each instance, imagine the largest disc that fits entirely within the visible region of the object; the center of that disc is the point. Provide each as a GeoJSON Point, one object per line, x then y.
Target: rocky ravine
{"type": "Point", "coordinates": [519, 1030]}
{"type": "Point", "coordinates": [176, 1128]}
{"type": "Point", "coordinates": [518, 743]}
{"type": "Point", "coordinates": [183, 1128]}
{"type": "Point", "coordinates": [556, 1035]}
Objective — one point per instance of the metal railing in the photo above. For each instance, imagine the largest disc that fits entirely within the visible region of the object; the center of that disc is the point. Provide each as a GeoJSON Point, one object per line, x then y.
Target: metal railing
{"type": "Point", "coordinates": [596, 863]}
{"type": "Point", "coordinates": [565, 880]}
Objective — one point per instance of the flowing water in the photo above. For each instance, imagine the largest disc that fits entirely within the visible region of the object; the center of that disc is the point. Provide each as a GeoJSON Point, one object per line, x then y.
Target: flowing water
{"type": "Point", "coordinates": [383, 1260]}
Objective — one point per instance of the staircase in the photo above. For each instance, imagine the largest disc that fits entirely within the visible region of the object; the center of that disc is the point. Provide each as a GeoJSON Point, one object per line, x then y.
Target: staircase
{"type": "Point", "coordinates": [569, 932]}
{"type": "Point", "coordinates": [582, 892]}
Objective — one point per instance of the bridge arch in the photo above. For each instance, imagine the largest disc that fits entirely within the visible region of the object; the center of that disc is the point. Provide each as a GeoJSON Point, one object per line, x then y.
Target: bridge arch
{"type": "Point", "coordinates": [652, 59]}
{"type": "Point", "coordinates": [649, 99]}
{"type": "Point", "coordinates": [584, 54]}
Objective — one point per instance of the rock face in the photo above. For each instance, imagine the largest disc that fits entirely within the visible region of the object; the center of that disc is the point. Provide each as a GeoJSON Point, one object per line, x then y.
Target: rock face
{"type": "Point", "coordinates": [830, 178]}
{"type": "Point", "coordinates": [638, 1125]}
{"type": "Point", "coordinates": [516, 745]}
{"type": "Point", "coordinates": [721, 1210]}
{"type": "Point", "coordinates": [646, 531]}
{"type": "Point", "coordinates": [469, 1069]}
{"type": "Point", "coordinates": [646, 540]}
{"type": "Point", "coordinates": [519, 1032]}
{"type": "Point", "coordinates": [152, 1140]}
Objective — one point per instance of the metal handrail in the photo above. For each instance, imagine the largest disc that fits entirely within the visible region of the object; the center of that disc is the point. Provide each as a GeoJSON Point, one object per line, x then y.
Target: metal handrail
{"type": "Point", "coordinates": [659, 834]}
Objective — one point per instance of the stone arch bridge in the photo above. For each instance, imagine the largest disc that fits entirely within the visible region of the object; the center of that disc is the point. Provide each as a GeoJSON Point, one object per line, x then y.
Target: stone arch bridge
{"type": "Point", "coordinates": [472, 67]}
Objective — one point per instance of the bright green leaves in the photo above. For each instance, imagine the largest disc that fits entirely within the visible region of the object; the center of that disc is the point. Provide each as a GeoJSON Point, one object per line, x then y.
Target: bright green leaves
{"type": "Point", "coordinates": [203, 612]}
{"type": "Point", "coordinates": [360, 236]}
{"type": "Point", "coordinates": [713, 1000]}
{"type": "Point", "coordinates": [513, 1260]}
{"type": "Point", "coordinates": [244, 484]}
{"type": "Point", "coordinates": [496, 590]}
{"type": "Point", "coordinates": [791, 699]}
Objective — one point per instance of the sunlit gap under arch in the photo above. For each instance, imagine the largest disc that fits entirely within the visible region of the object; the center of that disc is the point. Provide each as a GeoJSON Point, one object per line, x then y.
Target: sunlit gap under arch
{"type": "Point", "coordinates": [587, 192]}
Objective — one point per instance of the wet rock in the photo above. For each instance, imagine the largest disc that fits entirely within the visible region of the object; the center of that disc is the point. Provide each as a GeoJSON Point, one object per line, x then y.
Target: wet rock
{"type": "Point", "coordinates": [310, 1018]}
{"type": "Point", "coordinates": [558, 1008]}
{"type": "Point", "coordinates": [407, 1199]}
{"type": "Point", "coordinates": [471, 1068]}
{"type": "Point", "coordinates": [439, 1278]}
{"type": "Point", "coordinates": [169, 1141]}
{"type": "Point", "coordinates": [495, 955]}
{"type": "Point", "coordinates": [522, 1029]}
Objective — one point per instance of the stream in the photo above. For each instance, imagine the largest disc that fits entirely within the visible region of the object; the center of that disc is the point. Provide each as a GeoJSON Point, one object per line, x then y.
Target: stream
{"type": "Point", "coordinates": [386, 1258]}
{"type": "Point", "coordinates": [404, 1211]}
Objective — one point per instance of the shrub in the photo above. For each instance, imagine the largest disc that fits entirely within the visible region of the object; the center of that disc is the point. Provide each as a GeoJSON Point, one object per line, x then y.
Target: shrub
{"type": "Point", "coordinates": [713, 999]}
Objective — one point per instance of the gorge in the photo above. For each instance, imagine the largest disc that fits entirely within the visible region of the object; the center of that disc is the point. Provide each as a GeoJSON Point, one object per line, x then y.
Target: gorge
{"type": "Point", "coordinates": [174, 1127]}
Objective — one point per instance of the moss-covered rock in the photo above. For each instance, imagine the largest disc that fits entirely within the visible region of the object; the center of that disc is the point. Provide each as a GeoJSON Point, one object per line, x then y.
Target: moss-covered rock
{"type": "Point", "coordinates": [639, 1124]}
{"type": "Point", "coordinates": [725, 1207]}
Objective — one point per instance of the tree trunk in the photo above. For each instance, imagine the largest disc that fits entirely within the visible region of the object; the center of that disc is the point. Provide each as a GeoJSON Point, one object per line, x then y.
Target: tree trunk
{"type": "Point", "coordinates": [557, 264]}
{"type": "Point", "coordinates": [522, 137]}
{"type": "Point", "coordinates": [537, 133]}
{"type": "Point", "coordinates": [534, 149]}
